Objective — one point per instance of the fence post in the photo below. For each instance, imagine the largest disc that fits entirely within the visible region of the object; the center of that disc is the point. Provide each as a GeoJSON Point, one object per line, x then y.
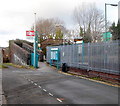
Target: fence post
{"type": "Point", "coordinates": [98, 56]}
{"type": "Point", "coordinates": [104, 54]}
{"type": "Point", "coordinates": [88, 56]}
{"type": "Point", "coordinates": [82, 52]}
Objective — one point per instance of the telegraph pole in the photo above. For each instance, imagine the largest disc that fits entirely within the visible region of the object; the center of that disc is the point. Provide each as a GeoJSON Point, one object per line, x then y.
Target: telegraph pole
{"type": "Point", "coordinates": [106, 18]}
{"type": "Point", "coordinates": [35, 64]}
{"type": "Point", "coordinates": [105, 23]}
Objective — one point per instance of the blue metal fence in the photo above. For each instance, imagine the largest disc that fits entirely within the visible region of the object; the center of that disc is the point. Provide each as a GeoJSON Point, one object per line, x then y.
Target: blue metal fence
{"type": "Point", "coordinates": [102, 57]}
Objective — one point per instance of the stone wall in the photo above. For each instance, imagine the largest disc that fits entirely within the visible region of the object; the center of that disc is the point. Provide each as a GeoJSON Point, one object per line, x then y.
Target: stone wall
{"type": "Point", "coordinates": [1, 57]}
{"type": "Point", "coordinates": [30, 49]}
{"type": "Point", "coordinates": [18, 55]}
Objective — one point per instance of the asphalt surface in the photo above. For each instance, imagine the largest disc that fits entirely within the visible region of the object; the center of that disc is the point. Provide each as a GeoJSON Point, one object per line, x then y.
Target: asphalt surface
{"type": "Point", "coordinates": [47, 86]}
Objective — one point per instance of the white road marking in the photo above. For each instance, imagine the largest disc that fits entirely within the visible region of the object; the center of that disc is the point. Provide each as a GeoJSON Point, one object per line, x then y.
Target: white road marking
{"type": "Point", "coordinates": [35, 83]}
{"type": "Point", "coordinates": [59, 100]}
{"type": "Point", "coordinates": [44, 90]}
{"type": "Point", "coordinates": [39, 86]}
{"type": "Point", "coordinates": [50, 94]}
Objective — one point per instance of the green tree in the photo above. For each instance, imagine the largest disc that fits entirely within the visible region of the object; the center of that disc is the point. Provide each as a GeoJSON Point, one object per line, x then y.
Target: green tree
{"type": "Point", "coordinates": [115, 30]}
{"type": "Point", "coordinates": [118, 29]}
{"type": "Point", "coordinates": [87, 38]}
{"type": "Point", "coordinates": [81, 31]}
{"type": "Point", "coordinates": [59, 34]}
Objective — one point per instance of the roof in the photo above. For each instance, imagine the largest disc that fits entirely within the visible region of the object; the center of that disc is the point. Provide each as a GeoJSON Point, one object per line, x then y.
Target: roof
{"type": "Point", "coordinates": [51, 42]}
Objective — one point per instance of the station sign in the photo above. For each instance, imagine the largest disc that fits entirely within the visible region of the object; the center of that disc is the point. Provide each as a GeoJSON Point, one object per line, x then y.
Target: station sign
{"type": "Point", "coordinates": [30, 33]}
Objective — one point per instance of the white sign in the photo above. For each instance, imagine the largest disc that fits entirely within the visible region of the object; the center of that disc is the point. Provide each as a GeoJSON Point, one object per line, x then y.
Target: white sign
{"type": "Point", "coordinates": [30, 35]}
{"type": "Point", "coordinates": [54, 48]}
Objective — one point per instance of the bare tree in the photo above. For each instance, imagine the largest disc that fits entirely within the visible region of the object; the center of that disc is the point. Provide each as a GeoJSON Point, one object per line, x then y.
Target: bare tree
{"type": "Point", "coordinates": [90, 19]}
{"type": "Point", "coordinates": [47, 28]}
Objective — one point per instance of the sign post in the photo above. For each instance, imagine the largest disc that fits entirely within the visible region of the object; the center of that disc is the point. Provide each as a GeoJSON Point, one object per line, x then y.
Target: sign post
{"type": "Point", "coordinates": [35, 45]}
{"type": "Point", "coordinates": [33, 35]}
{"type": "Point", "coordinates": [30, 35]}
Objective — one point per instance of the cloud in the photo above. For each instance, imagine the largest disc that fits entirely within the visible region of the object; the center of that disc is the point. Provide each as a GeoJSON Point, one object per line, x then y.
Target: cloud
{"type": "Point", "coordinates": [17, 16]}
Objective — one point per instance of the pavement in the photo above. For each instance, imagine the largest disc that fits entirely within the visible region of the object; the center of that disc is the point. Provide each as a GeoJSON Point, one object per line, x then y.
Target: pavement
{"type": "Point", "coordinates": [48, 86]}
{"type": "Point", "coordinates": [0, 86]}
{"type": "Point", "coordinates": [2, 96]}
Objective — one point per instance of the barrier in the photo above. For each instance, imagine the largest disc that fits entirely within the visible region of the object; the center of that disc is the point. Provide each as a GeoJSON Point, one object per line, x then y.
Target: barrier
{"type": "Point", "coordinates": [101, 57]}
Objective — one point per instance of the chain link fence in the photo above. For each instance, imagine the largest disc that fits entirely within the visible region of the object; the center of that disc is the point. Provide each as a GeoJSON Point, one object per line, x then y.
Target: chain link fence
{"type": "Point", "coordinates": [102, 57]}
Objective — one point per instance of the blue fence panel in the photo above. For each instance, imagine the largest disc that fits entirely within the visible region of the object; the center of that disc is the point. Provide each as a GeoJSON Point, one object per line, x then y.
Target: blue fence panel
{"type": "Point", "coordinates": [102, 57]}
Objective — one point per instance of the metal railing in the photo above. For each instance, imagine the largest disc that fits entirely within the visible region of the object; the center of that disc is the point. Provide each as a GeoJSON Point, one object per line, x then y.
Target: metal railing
{"type": "Point", "coordinates": [102, 57]}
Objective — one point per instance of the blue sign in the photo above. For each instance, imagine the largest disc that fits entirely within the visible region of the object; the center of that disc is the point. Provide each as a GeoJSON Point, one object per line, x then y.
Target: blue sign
{"type": "Point", "coordinates": [54, 54]}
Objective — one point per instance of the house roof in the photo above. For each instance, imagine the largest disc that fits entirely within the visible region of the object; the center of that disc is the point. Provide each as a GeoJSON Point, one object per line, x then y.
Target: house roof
{"type": "Point", "coordinates": [51, 42]}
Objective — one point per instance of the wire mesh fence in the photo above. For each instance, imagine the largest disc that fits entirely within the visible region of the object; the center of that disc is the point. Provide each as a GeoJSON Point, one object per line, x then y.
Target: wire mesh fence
{"type": "Point", "coordinates": [102, 57]}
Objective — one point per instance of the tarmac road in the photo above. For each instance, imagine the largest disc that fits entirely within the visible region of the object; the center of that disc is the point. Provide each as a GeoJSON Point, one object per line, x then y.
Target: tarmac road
{"type": "Point", "coordinates": [47, 86]}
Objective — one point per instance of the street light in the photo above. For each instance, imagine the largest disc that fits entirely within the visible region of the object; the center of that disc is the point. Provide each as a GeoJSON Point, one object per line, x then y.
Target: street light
{"type": "Point", "coordinates": [106, 17]}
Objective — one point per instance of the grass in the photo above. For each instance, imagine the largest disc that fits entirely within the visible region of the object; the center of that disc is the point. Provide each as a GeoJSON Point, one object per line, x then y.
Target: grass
{"type": "Point", "coordinates": [19, 66]}
{"type": "Point", "coordinates": [96, 78]}
{"type": "Point", "coordinates": [3, 66]}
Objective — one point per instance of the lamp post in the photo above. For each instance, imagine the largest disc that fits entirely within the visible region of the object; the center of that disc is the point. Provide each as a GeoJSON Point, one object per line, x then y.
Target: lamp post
{"type": "Point", "coordinates": [106, 17]}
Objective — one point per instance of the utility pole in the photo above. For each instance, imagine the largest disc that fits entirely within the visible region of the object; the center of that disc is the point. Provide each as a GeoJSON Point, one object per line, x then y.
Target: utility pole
{"type": "Point", "coordinates": [105, 23]}
{"type": "Point", "coordinates": [35, 46]}
{"type": "Point", "coordinates": [106, 18]}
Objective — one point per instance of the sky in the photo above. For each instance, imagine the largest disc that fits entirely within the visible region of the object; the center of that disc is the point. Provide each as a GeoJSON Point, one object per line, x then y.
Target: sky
{"type": "Point", "coordinates": [17, 16]}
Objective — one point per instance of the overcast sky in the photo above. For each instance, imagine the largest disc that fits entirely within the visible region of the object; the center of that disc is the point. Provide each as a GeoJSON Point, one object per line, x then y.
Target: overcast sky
{"type": "Point", "coordinates": [17, 16]}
